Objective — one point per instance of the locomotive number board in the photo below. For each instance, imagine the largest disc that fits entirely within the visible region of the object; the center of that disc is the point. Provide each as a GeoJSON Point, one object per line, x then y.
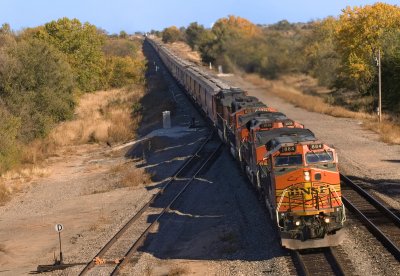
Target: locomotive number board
{"type": "Point", "coordinates": [315, 146]}
{"type": "Point", "coordinates": [287, 149]}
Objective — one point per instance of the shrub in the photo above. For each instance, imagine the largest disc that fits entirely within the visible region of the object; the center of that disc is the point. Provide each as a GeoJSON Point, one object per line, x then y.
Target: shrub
{"type": "Point", "coordinates": [9, 146]}
{"type": "Point", "coordinates": [171, 34]}
{"type": "Point", "coordinates": [121, 48]}
{"type": "Point", "coordinates": [123, 71]}
{"type": "Point", "coordinates": [82, 45]}
{"type": "Point", "coordinates": [37, 86]}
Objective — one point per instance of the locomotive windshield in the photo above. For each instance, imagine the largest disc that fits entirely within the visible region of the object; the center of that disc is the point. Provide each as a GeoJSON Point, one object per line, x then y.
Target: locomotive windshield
{"type": "Point", "coordinates": [317, 157]}
{"type": "Point", "coordinates": [288, 160]}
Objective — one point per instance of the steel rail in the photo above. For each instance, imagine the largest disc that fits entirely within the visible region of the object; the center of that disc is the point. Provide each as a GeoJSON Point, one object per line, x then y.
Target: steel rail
{"type": "Point", "coordinates": [327, 254]}
{"type": "Point", "coordinates": [115, 238]}
{"type": "Point", "coordinates": [371, 199]}
{"type": "Point", "coordinates": [373, 229]}
{"type": "Point", "coordinates": [142, 238]}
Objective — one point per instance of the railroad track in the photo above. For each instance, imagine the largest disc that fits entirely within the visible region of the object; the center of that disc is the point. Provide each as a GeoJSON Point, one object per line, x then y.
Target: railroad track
{"type": "Point", "coordinates": [109, 259]}
{"type": "Point", "coordinates": [321, 261]}
{"type": "Point", "coordinates": [380, 221]}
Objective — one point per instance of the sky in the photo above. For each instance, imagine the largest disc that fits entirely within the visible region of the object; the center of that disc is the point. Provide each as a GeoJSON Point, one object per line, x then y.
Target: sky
{"type": "Point", "coordinates": [145, 15]}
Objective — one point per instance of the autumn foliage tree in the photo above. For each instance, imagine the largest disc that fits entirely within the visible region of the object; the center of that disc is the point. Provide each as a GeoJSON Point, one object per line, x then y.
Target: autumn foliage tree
{"type": "Point", "coordinates": [340, 52]}
{"type": "Point", "coordinates": [360, 33]}
{"type": "Point", "coordinates": [82, 44]}
{"type": "Point", "coordinates": [228, 39]}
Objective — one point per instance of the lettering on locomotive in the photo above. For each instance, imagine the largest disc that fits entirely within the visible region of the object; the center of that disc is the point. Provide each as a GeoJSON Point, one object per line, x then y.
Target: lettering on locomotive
{"type": "Point", "coordinates": [321, 190]}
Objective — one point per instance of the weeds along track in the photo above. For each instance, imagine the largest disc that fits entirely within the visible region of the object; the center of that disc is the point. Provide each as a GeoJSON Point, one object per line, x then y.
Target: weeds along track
{"type": "Point", "coordinates": [123, 246]}
{"type": "Point", "coordinates": [380, 221]}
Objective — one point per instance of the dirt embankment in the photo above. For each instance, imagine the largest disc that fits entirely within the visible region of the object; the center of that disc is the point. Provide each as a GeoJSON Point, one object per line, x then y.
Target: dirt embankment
{"type": "Point", "coordinates": [83, 185]}
{"type": "Point", "coordinates": [79, 179]}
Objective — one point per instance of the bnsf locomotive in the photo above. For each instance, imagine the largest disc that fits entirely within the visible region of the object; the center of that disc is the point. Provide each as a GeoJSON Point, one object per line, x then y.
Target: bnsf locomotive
{"type": "Point", "coordinates": [294, 172]}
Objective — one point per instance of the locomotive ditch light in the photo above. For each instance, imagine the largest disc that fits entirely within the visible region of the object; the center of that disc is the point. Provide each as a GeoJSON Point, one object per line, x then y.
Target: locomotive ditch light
{"type": "Point", "coordinates": [327, 220]}
{"type": "Point", "coordinates": [297, 223]}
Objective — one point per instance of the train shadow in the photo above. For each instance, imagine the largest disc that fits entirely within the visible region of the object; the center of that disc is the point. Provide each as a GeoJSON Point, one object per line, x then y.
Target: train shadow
{"type": "Point", "coordinates": [392, 160]}
{"type": "Point", "coordinates": [219, 217]}
{"type": "Point", "coordinates": [161, 151]}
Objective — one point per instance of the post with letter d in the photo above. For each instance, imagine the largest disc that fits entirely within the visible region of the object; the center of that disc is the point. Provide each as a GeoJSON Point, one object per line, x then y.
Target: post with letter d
{"type": "Point", "coordinates": [59, 227]}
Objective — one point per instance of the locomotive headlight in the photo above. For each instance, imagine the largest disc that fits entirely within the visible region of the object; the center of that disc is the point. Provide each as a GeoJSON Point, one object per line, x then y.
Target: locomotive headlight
{"type": "Point", "coordinates": [307, 176]}
{"type": "Point", "coordinates": [297, 223]}
{"type": "Point", "coordinates": [327, 220]}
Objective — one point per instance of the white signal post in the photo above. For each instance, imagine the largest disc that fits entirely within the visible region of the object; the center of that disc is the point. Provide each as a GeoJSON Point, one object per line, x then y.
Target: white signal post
{"type": "Point", "coordinates": [59, 227]}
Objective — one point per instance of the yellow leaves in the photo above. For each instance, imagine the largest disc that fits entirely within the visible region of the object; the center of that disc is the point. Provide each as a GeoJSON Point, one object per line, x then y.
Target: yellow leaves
{"type": "Point", "coordinates": [359, 33]}
{"type": "Point", "coordinates": [238, 25]}
{"type": "Point", "coordinates": [367, 24]}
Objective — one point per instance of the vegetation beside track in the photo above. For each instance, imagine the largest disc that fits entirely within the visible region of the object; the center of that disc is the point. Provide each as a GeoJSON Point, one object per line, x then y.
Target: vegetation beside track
{"type": "Point", "coordinates": [49, 76]}
{"type": "Point", "coordinates": [340, 56]}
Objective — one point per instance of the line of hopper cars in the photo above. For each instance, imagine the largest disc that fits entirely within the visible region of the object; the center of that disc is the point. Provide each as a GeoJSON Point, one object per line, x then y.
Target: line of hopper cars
{"type": "Point", "coordinates": [294, 172]}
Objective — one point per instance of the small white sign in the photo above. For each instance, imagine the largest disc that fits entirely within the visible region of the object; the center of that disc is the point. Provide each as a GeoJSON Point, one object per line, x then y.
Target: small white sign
{"type": "Point", "coordinates": [59, 227]}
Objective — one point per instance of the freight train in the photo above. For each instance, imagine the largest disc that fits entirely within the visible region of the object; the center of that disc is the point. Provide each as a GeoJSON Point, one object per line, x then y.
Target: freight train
{"type": "Point", "coordinates": [294, 172]}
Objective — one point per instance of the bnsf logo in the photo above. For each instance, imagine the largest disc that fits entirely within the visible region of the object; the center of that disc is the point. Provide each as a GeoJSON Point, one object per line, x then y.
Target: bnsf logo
{"type": "Point", "coordinates": [307, 191]}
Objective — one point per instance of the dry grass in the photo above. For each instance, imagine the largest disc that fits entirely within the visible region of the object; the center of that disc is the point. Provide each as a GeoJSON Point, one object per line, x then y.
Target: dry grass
{"type": "Point", "coordinates": [389, 131]}
{"type": "Point", "coordinates": [101, 117]}
{"type": "Point", "coordinates": [14, 181]}
{"type": "Point", "coordinates": [27, 172]}
{"type": "Point", "coordinates": [102, 220]}
{"type": "Point", "coordinates": [130, 176]}
{"type": "Point", "coordinates": [4, 193]}
{"type": "Point", "coordinates": [135, 177]}
{"type": "Point", "coordinates": [185, 51]}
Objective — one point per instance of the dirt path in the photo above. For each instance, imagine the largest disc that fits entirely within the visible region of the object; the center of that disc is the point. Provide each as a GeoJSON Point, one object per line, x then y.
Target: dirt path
{"type": "Point", "coordinates": [79, 193]}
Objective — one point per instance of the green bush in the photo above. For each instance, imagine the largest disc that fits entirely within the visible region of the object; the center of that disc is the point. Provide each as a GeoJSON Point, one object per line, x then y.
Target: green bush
{"type": "Point", "coordinates": [171, 34]}
{"type": "Point", "coordinates": [36, 84]}
{"type": "Point", "coordinates": [43, 69]}
{"type": "Point", "coordinates": [121, 48]}
{"type": "Point", "coordinates": [123, 71]}
{"type": "Point", "coordinates": [82, 44]}
{"type": "Point", "coordinates": [9, 146]}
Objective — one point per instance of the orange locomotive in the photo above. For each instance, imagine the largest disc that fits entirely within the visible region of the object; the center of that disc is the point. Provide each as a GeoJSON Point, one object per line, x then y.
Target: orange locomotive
{"type": "Point", "coordinates": [293, 171]}
{"type": "Point", "coordinates": [301, 184]}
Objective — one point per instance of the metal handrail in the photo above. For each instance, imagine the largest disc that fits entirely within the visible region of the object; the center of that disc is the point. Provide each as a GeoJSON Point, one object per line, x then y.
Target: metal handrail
{"type": "Point", "coordinates": [337, 197]}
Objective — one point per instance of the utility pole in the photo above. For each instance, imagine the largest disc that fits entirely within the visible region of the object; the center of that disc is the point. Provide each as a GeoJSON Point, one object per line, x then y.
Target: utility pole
{"type": "Point", "coordinates": [380, 85]}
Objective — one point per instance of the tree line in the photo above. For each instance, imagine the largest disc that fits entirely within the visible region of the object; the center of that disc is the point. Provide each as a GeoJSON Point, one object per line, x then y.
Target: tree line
{"type": "Point", "coordinates": [43, 71]}
{"type": "Point", "coordinates": [339, 51]}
